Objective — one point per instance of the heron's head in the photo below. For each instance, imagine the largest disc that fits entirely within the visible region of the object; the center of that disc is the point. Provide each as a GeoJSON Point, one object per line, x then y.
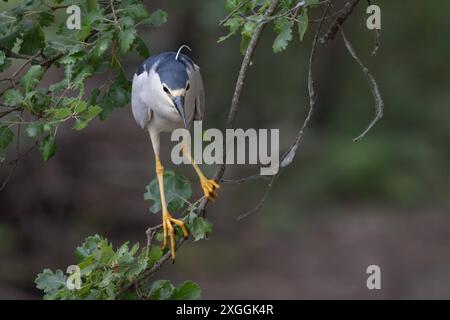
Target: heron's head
{"type": "Point", "coordinates": [174, 84]}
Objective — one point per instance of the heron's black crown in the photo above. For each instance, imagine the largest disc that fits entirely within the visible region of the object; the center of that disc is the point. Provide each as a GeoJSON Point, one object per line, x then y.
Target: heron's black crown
{"type": "Point", "coordinates": [172, 73]}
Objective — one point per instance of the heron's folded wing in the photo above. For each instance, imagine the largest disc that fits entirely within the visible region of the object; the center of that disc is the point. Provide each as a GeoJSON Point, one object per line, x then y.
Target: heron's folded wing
{"type": "Point", "coordinates": [140, 107]}
{"type": "Point", "coordinates": [200, 95]}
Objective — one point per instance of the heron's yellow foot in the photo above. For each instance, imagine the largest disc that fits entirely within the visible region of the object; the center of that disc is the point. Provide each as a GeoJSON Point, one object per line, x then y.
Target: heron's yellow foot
{"type": "Point", "coordinates": [168, 229]}
{"type": "Point", "coordinates": [209, 188]}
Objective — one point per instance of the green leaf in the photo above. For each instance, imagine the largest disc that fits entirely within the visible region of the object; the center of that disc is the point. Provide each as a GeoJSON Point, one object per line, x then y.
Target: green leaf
{"type": "Point", "coordinates": [2, 58]}
{"type": "Point", "coordinates": [126, 38]}
{"type": "Point", "coordinates": [154, 255]}
{"type": "Point", "coordinates": [156, 19]}
{"type": "Point", "coordinates": [86, 115]}
{"type": "Point", "coordinates": [33, 40]}
{"type": "Point", "coordinates": [136, 267]}
{"type": "Point", "coordinates": [59, 86]}
{"type": "Point", "coordinates": [161, 290]}
{"type": "Point", "coordinates": [32, 78]}
{"type": "Point", "coordinates": [189, 290]}
{"type": "Point", "coordinates": [100, 47]}
{"type": "Point", "coordinates": [245, 40]}
{"type": "Point", "coordinates": [303, 24]}
{"type": "Point", "coordinates": [39, 100]}
{"type": "Point", "coordinates": [198, 227]}
{"type": "Point", "coordinates": [12, 97]}
{"type": "Point", "coordinates": [249, 28]}
{"type": "Point", "coordinates": [233, 24]}
{"type": "Point", "coordinates": [177, 188]}
{"type": "Point", "coordinates": [82, 74]}
{"type": "Point", "coordinates": [80, 124]}
{"type": "Point", "coordinates": [61, 113]}
{"type": "Point", "coordinates": [45, 18]}
{"type": "Point", "coordinates": [79, 106]}
{"type": "Point", "coordinates": [34, 129]}
{"type": "Point", "coordinates": [6, 137]}
{"type": "Point", "coordinates": [93, 111]}
{"type": "Point", "coordinates": [7, 63]}
{"type": "Point", "coordinates": [141, 48]}
{"type": "Point", "coordinates": [137, 11]}
{"type": "Point", "coordinates": [47, 147]}
{"type": "Point", "coordinates": [283, 27]}
{"type": "Point", "coordinates": [89, 246]}
{"type": "Point", "coordinates": [116, 97]}
{"type": "Point", "coordinates": [50, 281]}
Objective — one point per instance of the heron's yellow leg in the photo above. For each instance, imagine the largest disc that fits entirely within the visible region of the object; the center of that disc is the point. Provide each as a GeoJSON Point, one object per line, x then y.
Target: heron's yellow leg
{"type": "Point", "coordinates": [168, 220]}
{"type": "Point", "coordinates": [208, 185]}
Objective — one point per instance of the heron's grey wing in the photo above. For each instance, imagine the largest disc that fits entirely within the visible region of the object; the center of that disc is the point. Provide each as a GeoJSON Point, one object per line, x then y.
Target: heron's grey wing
{"type": "Point", "coordinates": [139, 104]}
{"type": "Point", "coordinates": [200, 95]}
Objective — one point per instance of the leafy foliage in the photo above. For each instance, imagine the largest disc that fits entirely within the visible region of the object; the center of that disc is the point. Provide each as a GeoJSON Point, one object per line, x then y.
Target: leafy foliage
{"type": "Point", "coordinates": [6, 137]}
{"type": "Point", "coordinates": [177, 189]}
{"type": "Point", "coordinates": [104, 272]}
{"type": "Point", "coordinates": [108, 32]}
{"type": "Point", "coordinates": [244, 16]}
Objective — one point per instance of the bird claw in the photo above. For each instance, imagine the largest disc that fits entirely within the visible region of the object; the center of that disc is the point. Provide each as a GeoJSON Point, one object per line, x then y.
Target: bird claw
{"type": "Point", "coordinates": [168, 228]}
{"type": "Point", "coordinates": [209, 187]}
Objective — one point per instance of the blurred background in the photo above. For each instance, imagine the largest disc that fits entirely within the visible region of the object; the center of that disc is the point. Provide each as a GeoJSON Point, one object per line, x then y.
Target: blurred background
{"type": "Point", "coordinates": [340, 207]}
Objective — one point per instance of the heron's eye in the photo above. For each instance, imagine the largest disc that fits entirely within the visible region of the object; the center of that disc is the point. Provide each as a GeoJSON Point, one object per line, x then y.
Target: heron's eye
{"type": "Point", "coordinates": [187, 87]}
{"type": "Point", "coordinates": [165, 89]}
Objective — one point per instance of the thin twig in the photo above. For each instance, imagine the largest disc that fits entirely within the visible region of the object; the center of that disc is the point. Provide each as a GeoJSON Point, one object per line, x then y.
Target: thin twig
{"type": "Point", "coordinates": [340, 19]}
{"type": "Point", "coordinates": [262, 201]}
{"type": "Point", "coordinates": [237, 94]}
{"type": "Point", "coordinates": [151, 232]}
{"type": "Point", "coordinates": [379, 105]}
{"type": "Point", "coordinates": [244, 180]}
{"type": "Point", "coordinates": [288, 156]}
{"type": "Point", "coordinates": [11, 54]}
{"type": "Point", "coordinates": [376, 45]}
{"type": "Point", "coordinates": [232, 13]}
{"type": "Point", "coordinates": [4, 113]}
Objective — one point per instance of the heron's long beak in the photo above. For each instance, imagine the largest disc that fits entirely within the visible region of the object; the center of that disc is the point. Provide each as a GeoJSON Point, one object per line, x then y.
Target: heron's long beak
{"type": "Point", "coordinates": [179, 104]}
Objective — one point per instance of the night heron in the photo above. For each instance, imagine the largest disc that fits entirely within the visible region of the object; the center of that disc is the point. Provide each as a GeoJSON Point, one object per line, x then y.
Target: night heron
{"type": "Point", "coordinates": [167, 93]}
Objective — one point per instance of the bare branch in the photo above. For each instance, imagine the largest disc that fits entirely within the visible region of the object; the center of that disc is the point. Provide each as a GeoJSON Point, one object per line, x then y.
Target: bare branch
{"type": "Point", "coordinates": [379, 105]}
{"type": "Point", "coordinates": [376, 38]}
{"type": "Point", "coordinates": [151, 232]}
{"type": "Point", "coordinates": [244, 180]}
{"type": "Point", "coordinates": [4, 113]}
{"type": "Point", "coordinates": [289, 155]}
{"type": "Point", "coordinates": [237, 93]}
{"type": "Point", "coordinates": [9, 53]}
{"type": "Point", "coordinates": [232, 13]}
{"type": "Point", "coordinates": [262, 201]}
{"type": "Point", "coordinates": [340, 19]}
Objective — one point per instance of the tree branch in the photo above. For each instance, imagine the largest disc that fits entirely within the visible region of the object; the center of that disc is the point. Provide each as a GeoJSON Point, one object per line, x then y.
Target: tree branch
{"type": "Point", "coordinates": [238, 89]}
{"type": "Point", "coordinates": [379, 105]}
{"type": "Point", "coordinates": [289, 155]}
{"type": "Point", "coordinates": [340, 19]}
{"type": "Point", "coordinates": [4, 113]}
